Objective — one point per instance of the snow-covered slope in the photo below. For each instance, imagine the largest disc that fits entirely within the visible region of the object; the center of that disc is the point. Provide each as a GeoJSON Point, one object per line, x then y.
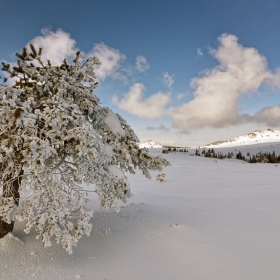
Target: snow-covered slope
{"type": "Point", "coordinates": [255, 137]}
{"type": "Point", "coordinates": [208, 220]}
{"type": "Point", "coordinates": [150, 144]}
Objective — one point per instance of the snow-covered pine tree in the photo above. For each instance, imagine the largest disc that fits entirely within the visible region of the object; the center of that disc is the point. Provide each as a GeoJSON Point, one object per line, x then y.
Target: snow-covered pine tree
{"type": "Point", "coordinates": [54, 135]}
{"type": "Point", "coordinates": [261, 158]}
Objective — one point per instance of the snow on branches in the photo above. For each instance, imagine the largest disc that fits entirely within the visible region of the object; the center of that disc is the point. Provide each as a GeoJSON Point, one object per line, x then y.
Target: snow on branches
{"type": "Point", "coordinates": [54, 136]}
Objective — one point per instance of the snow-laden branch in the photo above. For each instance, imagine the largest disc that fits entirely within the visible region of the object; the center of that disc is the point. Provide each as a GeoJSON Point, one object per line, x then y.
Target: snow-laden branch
{"type": "Point", "coordinates": [54, 135]}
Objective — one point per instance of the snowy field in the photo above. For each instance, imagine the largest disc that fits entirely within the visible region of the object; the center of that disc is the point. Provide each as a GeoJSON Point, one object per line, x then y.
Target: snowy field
{"type": "Point", "coordinates": [207, 220]}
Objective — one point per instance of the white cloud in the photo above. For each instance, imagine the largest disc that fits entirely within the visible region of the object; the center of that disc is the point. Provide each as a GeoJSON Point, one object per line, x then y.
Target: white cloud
{"type": "Point", "coordinates": [141, 64]}
{"type": "Point", "coordinates": [168, 80]}
{"type": "Point", "coordinates": [241, 70]}
{"type": "Point", "coordinates": [269, 115]}
{"type": "Point", "coordinates": [56, 46]}
{"type": "Point", "coordinates": [180, 95]}
{"type": "Point", "coordinates": [162, 127]}
{"type": "Point", "coordinates": [134, 103]}
{"type": "Point", "coordinates": [110, 59]}
{"type": "Point", "coordinates": [199, 52]}
{"type": "Point", "coordinates": [59, 45]}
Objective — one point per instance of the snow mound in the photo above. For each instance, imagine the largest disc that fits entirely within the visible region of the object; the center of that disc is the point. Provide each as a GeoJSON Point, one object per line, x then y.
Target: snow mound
{"type": "Point", "coordinates": [255, 137]}
{"type": "Point", "coordinates": [10, 241]}
{"type": "Point", "coordinates": [150, 144]}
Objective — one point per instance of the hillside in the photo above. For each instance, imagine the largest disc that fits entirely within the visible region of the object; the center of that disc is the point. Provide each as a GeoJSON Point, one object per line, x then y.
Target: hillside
{"type": "Point", "coordinates": [255, 137]}
{"type": "Point", "coordinates": [150, 144]}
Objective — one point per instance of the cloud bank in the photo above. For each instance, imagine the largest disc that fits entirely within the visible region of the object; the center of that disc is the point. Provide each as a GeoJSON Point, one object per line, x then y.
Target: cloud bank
{"type": "Point", "coordinates": [269, 115]}
{"type": "Point", "coordinates": [162, 127]}
{"type": "Point", "coordinates": [241, 70]}
{"type": "Point", "coordinates": [135, 104]}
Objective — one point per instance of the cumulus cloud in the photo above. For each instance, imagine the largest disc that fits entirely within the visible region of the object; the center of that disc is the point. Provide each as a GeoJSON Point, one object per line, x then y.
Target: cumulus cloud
{"type": "Point", "coordinates": [162, 127]}
{"type": "Point", "coordinates": [141, 64]}
{"type": "Point", "coordinates": [56, 46]}
{"type": "Point", "coordinates": [199, 52]}
{"type": "Point", "coordinates": [59, 45]}
{"type": "Point", "coordinates": [134, 103]}
{"type": "Point", "coordinates": [110, 59]}
{"type": "Point", "coordinates": [241, 70]}
{"type": "Point", "coordinates": [168, 80]}
{"type": "Point", "coordinates": [269, 115]}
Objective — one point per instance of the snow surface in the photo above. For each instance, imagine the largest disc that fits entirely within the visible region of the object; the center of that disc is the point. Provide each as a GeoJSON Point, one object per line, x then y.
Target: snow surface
{"type": "Point", "coordinates": [208, 220]}
{"type": "Point", "coordinates": [114, 123]}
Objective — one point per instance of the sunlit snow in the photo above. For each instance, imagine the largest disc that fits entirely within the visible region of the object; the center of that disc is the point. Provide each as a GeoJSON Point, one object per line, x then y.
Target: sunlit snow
{"type": "Point", "coordinates": [209, 219]}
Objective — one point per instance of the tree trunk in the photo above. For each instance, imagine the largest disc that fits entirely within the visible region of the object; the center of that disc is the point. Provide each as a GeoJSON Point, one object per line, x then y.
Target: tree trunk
{"type": "Point", "coordinates": [13, 191]}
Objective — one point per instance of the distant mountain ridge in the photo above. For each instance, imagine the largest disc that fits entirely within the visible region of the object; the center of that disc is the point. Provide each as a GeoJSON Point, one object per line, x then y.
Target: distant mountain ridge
{"type": "Point", "coordinates": [150, 144]}
{"type": "Point", "coordinates": [258, 136]}
{"type": "Point", "coordinates": [255, 137]}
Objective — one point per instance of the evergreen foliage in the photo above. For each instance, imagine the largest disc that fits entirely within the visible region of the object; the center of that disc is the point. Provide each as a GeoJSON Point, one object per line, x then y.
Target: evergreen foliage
{"type": "Point", "coordinates": [240, 156]}
{"type": "Point", "coordinates": [54, 135]}
{"type": "Point", "coordinates": [208, 154]}
{"type": "Point", "coordinates": [252, 159]}
{"type": "Point", "coordinates": [261, 157]}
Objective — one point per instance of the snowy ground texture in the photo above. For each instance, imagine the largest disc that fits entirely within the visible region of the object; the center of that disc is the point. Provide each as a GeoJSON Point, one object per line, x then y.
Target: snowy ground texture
{"type": "Point", "coordinates": [207, 220]}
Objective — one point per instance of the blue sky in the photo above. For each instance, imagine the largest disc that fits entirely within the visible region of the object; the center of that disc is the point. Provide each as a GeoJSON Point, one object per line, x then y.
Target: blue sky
{"type": "Point", "coordinates": [180, 72]}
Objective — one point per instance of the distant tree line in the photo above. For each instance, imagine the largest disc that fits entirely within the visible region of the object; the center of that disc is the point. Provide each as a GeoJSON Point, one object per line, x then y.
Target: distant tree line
{"type": "Point", "coordinates": [260, 157]}
{"type": "Point", "coordinates": [174, 149]}
{"type": "Point", "coordinates": [210, 153]}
